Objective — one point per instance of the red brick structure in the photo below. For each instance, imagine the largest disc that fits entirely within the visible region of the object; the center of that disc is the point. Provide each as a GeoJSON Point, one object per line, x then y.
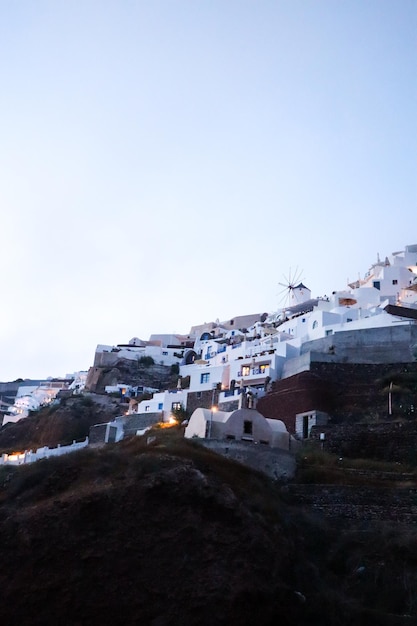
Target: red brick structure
{"type": "Point", "coordinates": [348, 392]}
{"type": "Point", "coordinates": [297, 394]}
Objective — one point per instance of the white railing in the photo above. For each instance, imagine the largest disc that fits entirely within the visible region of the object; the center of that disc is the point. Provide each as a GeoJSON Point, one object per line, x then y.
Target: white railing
{"type": "Point", "coordinates": [28, 456]}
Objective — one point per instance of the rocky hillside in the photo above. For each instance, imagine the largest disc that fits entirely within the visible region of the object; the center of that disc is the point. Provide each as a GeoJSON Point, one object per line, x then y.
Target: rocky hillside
{"type": "Point", "coordinates": [131, 373]}
{"type": "Point", "coordinates": [165, 532]}
{"type": "Point", "coordinates": [62, 423]}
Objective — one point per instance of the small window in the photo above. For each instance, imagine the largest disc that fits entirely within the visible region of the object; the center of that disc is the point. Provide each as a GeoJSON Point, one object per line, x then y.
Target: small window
{"type": "Point", "coordinates": [176, 406]}
{"type": "Point", "coordinates": [315, 324]}
{"type": "Point", "coordinates": [147, 408]}
{"type": "Point", "coordinates": [164, 353]}
{"type": "Point", "coordinates": [204, 378]}
{"type": "Point", "coordinates": [247, 427]}
{"type": "Point", "coordinates": [348, 319]}
{"type": "Point", "coordinates": [199, 395]}
{"type": "Point", "coordinates": [245, 370]}
{"type": "Point", "coordinates": [395, 281]}
{"type": "Point", "coordinates": [160, 406]}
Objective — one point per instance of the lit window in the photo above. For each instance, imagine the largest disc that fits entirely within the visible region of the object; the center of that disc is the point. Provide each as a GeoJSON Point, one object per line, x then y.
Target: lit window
{"type": "Point", "coordinates": [315, 324]}
{"type": "Point", "coordinates": [245, 370]}
{"type": "Point", "coordinates": [176, 406]}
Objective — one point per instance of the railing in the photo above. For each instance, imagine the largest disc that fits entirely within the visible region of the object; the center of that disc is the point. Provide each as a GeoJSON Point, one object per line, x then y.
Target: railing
{"type": "Point", "coordinates": [231, 392]}
{"type": "Point", "coordinates": [255, 371]}
{"type": "Point", "coordinates": [41, 453]}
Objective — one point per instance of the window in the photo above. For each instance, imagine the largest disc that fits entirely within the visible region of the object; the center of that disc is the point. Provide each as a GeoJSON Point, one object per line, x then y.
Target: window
{"type": "Point", "coordinates": [315, 324]}
{"type": "Point", "coordinates": [262, 368]}
{"type": "Point", "coordinates": [395, 281]}
{"type": "Point", "coordinates": [147, 408]}
{"type": "Point", "coordinates": [176, 406]}
{"type": "Point", "coordinates": [348, 319]}
{"type": "Point", "coordinates": [164, 353]}
{"type": "Point", "coordinates": [247, 427]}
{"type": "Point", "coordinates": [245, 370]}
{"type": "Point", "coordinates": [204, 378]}
{"type": "Point", "coordinates": [377, 284]}
{"type": "Point", "coordinates": [160, 406]}
{"type": "Point", "coordinates": [199, 395]}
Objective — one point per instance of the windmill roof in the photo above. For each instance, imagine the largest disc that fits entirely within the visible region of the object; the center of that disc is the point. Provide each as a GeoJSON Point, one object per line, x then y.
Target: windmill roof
{"type": "Point", "coordinates": [300, 286]}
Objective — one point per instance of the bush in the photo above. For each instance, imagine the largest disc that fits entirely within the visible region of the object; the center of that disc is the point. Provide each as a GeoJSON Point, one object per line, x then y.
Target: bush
{"type": "Point", "coordinates": [146, 361]}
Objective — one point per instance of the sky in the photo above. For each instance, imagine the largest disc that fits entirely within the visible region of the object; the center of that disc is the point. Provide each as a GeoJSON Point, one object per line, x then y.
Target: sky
{"type": "Point", "coordinates": [165, 163]}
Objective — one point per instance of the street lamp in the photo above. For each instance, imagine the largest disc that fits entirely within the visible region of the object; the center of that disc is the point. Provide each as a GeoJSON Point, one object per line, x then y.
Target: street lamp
{"type": "Point", "coordinates": [213, 409]}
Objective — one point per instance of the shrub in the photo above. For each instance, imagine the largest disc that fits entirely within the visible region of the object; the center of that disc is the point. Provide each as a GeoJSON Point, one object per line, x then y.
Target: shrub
{"type": "Point", "coordinates": [146, 361]}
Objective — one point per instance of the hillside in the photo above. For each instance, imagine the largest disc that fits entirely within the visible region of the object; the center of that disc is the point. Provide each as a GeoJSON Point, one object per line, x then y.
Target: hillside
{"type": "Point", "coordinates": [59, 424]}
{"type": "Point", "coordinates": [169, 533]}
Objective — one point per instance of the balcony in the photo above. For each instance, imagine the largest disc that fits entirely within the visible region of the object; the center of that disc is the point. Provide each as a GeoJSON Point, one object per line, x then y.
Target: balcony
{"type": "Point", "coordinates": [254, 371]}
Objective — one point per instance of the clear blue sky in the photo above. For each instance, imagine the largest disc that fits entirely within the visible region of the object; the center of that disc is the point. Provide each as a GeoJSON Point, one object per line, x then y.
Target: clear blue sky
{"type": "Point", "coordinates": [165, 163]}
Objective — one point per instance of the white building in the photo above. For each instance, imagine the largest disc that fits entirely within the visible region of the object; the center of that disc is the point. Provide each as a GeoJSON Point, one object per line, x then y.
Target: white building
{"type": "Point", "coordinates": [166, 403]}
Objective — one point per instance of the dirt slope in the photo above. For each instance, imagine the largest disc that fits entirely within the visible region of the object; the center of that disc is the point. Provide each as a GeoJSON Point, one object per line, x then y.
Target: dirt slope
{"type": "Point", "coordinates": [164, 534]}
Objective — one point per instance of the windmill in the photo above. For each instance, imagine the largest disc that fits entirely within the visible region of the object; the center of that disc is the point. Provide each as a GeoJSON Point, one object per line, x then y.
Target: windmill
{"type": "Point", "coordinates": [287, 296]}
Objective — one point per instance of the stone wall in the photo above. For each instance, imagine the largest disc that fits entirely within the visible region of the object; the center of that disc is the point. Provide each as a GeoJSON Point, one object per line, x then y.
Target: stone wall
{"type": "Point", "coordinates": [355, 502]}
{"type": "Point", "coordinates": [140, 421]}
{"type": "Point", "coordinates": [229, 406]}
{"type": "Point", "coordinates": [391, 344]}
{"type": "Point", "coordinates": [388, 441]}
{"type": "Point", "coordinates": [202, 400]}
{"type": "Point", "coordinates": [275, 463]}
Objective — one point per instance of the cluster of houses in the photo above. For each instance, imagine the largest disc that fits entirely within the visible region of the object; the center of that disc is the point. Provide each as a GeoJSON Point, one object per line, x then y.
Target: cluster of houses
{"type": "Point", "coordinates": [226, 367]}
{"type": "Point", "coordinates": [230, 365]}
{"type": "Point", "coordinates": [19, 400]}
